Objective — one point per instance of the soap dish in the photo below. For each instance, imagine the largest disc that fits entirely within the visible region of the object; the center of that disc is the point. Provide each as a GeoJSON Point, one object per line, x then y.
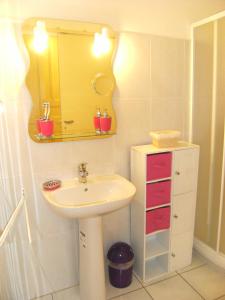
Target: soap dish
{"type": "Point", "coordinates": [51, 185]}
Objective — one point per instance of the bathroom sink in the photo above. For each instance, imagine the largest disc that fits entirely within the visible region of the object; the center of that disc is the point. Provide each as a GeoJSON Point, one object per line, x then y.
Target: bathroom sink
{"type": "Point", "coordinates": [100, 195]}
{"type": "Point", "coordinates": [88, 202]}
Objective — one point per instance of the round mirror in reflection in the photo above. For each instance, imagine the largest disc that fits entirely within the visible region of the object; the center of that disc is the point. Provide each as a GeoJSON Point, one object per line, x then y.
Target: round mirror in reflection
{"type": "Point", "coordinates": [103, 84]}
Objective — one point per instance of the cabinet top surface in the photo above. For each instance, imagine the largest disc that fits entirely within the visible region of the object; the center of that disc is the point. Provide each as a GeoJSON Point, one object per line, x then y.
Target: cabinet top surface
{"type": "Point", "coordinates": [150, 149]}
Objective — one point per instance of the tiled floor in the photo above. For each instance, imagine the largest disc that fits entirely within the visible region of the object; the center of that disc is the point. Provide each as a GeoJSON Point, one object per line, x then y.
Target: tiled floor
{"type": "Point", "coordinates": [201, 280]}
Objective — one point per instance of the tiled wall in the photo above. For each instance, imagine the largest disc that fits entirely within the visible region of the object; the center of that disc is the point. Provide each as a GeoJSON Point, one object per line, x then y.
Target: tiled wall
{"type": "Point", "coordinates": [152, 93]}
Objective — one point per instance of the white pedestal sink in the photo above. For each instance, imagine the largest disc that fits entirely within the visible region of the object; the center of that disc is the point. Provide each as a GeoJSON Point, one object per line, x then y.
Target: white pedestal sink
{"type": "Point", "coordinates": [88, 202]}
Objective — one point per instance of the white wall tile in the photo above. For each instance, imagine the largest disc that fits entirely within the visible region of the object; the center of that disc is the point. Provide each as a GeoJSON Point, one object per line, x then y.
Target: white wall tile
{"type": "Point", "coordinates": [58, 257]}
{"type": "Point", "coordinates": [168, 114]}
{"type": "Point", "coordinates": [132, 118]}
{"type": "Point", "coordinates": [64, 160]}
{"type": "Point", "coordinates": [131, 66]}
{"type": "Point", "coordinates": [116, 227]}
{"type": "Point", "coordinates": [167, 68]}
{"type": "Point", "coordinates": [44, 221]}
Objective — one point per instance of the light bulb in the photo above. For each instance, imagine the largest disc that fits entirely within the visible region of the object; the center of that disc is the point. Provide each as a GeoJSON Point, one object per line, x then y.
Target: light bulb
{"type": "Point", "coordinates": [97, 51]}
{"type": "Point", "coordinates": [101, 43]}
{"type": "Point", "coordinates": [105, 32]}
{"type": "Point", "coordinates": [105, 40]}
{"type": "Point", "coordinates": [40, 41]}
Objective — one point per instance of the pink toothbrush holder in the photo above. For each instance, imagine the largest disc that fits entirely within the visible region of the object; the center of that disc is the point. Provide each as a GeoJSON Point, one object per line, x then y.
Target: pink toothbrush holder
{"type": "Point", "coordinates": [97, 124]}
{"type": "Point", "coordinates": [38, 124]}
{"type": "Point", "coordinates": [105, 124]}
{"type": "Point", "coordinates": [46, 127]}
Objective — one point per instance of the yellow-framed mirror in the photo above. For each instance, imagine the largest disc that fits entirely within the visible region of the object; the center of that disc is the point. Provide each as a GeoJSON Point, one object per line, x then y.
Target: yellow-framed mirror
{"type": "Point", "coordinates": [70, 79]}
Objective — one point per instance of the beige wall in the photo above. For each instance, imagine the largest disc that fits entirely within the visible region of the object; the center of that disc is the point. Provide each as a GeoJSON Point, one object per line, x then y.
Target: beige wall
{"type": "Point", "coordinates": [160, 17]}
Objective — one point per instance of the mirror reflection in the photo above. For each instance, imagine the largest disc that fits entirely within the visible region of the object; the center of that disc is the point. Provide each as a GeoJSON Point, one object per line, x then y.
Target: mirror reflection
{"type": "Point", "coordinates": [70, 79]}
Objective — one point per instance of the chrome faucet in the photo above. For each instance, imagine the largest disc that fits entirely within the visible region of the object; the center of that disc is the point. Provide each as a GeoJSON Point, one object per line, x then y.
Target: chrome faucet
{"type": "Point", "coordinates": [82, 172]}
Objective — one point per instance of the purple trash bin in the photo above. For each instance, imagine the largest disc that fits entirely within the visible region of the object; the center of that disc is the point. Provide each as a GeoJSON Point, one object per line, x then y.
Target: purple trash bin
{"type": "Point", "coordinates": [121, 259]}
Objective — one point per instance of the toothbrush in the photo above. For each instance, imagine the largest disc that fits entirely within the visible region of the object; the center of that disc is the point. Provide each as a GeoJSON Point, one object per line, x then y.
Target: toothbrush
{"type": "Point", "coordinates": [48, 111]}
{"type": "Point", "coordinates": [46, 106]}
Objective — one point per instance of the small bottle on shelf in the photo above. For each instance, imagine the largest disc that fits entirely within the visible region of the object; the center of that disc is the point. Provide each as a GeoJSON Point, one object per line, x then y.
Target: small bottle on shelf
{"type": "Point", "coordinates": [105, 122]}
{"type": "Point", "coordinates": [97, 121]}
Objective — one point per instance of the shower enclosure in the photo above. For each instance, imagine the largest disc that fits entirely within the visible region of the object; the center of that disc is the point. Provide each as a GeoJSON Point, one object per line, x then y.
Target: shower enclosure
{"type": "Point", "coordinates": [207, 123]}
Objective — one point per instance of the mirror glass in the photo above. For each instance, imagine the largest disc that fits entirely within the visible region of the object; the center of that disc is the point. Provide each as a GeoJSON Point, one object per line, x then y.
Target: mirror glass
{"type": "Point", "coordinates": [70, 79]}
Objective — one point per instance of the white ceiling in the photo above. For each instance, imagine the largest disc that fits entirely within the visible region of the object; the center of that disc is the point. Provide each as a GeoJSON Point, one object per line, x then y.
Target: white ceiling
{"type": "Point", "coordinates": [163, 17]}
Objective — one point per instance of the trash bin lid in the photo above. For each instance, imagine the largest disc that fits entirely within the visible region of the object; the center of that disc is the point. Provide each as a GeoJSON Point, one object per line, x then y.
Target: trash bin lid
{"type": "Point", "coordinates": [120, 253]}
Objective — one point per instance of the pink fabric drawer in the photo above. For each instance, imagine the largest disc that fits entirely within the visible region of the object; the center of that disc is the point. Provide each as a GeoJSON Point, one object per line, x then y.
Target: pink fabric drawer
{"type": "Point", "coordinates": [159, 166]}
{"type": "Point", "coordinates": [158, 193]}
{"type": "Point", "coordinates": [157, 219]}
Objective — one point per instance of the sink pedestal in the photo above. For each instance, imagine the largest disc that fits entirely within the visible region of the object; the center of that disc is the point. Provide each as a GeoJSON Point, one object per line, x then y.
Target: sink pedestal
{"type": "Point", "coordinates": [88, 202]}
{"type": "Point", "coordinates": [92, 271]}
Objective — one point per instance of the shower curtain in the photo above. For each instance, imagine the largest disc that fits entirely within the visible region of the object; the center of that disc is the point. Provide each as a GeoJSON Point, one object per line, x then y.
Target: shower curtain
{"type": "Point", "coordinates": [21, 274]}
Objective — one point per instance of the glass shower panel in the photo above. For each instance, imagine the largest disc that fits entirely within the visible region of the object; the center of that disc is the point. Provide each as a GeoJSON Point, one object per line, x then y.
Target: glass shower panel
{"type": "Point", "coordinates": [221, 100]}
{"type": "Point", "coordinates": [208, 125]}
{"type": "Point", "coordinates": [218, 130]}
{"type": "Point", "coordinates": [222, 232]}
{"type": "Point", "coordinates": [202, 119]}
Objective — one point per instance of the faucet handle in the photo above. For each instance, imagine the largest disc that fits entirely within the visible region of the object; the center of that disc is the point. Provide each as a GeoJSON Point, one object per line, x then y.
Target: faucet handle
{"type": "Point", "coordinates": [82, 166]}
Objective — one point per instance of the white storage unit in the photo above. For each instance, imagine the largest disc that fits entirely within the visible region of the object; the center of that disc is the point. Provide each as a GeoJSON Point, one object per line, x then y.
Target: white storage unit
{"type": "Point", "coordinates": [163, 209]}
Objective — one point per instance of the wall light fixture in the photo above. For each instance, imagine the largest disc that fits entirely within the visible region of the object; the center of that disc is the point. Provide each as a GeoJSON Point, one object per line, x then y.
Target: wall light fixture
{"type": "Point", "coordinates": [101, 43]}
{"type": "Point", "coordinates": [40, 40]}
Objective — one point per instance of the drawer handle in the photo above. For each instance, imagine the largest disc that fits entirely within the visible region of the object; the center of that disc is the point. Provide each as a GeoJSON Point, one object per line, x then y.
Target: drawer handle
{"type": "Point", "coordinates": [177, 173]}
{"type": "Point", "coordinates": [173, 254]}
{"type": "Point", "coordinates": [175, 216]}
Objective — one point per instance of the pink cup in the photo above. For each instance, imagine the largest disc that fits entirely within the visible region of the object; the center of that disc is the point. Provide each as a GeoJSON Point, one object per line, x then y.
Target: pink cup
{"type": "Point", "coordinates": [46, 127]}
{"type": "Point", "coordinates": [97, 123]}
